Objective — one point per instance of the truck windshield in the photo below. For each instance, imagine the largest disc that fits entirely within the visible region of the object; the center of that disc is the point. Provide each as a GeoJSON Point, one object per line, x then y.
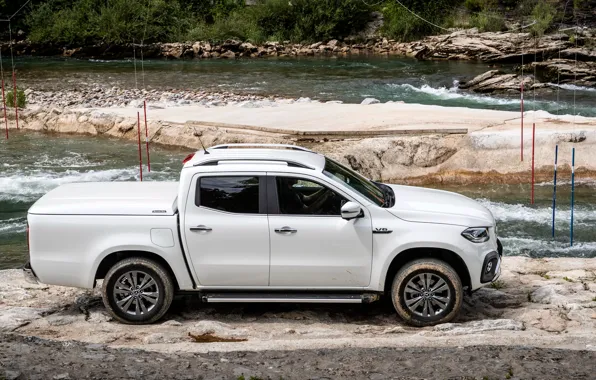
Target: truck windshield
{"type": "Point", "coordinates": [340, 173]}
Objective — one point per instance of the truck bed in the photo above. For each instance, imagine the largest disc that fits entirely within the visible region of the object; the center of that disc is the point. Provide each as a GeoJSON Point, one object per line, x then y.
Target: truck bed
{"type": "Point", "coordinates": [109, 198]}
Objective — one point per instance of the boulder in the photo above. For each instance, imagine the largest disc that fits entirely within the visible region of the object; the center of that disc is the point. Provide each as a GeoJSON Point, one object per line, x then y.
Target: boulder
{"type": "Point", "coordinates": [480, 326]}
{"type": "Point", "coordinates": [368, 101]}
{"type": "Point", "coordinates": [11, 318]}
{"type": "Point", "coordinates": [228, 55]}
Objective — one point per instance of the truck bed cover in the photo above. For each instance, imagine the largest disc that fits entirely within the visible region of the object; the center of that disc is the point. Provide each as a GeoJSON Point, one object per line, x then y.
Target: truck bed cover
{"type": "Point", "coordinates": [109, 198]}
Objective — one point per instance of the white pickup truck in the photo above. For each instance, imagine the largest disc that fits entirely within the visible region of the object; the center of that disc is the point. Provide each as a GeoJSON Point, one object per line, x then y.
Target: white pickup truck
{"type": "Point", "coordinates": [269, 223]}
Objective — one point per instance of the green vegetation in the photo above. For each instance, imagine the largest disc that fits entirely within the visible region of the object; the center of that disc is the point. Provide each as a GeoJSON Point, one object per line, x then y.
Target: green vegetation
{"type": "Point", "coordinates": [567, 279]}
{"type": "Point", "coordinates": [84, 22]}
{"type": "Point", "coordinates": [499, 284]}
{"type": "Point", "coordinates": [21, 98]}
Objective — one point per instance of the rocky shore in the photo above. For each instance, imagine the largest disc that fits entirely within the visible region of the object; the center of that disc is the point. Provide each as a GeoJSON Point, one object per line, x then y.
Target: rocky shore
{"type": "Point", "coordinates": [403, 143]}
{"type": "Point", "coordinates": [469, 44]}
{"type": "Point", "coordinates": [547, 303]}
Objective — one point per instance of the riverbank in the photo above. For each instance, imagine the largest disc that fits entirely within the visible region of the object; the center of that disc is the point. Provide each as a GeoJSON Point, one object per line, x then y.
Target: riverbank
{"type": "Point", "coordinates": [547, 303]}
{"type": "Point", "coordinates": [393, 142]}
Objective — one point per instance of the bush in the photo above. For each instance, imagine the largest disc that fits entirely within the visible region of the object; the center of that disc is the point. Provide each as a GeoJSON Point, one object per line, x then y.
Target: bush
{"type": "Point", "coordinates": [544, 14]}
{"type": "Point", "coordinates": [298, 20]}
{"type": "Point", "coordinates": [21, 98]}
{"type": "Point", "coordinates": [114, 21]}
{"type": "Point", "coordinates": [403, 25]}
{"type": "Point", "coordinates": [488, 21]}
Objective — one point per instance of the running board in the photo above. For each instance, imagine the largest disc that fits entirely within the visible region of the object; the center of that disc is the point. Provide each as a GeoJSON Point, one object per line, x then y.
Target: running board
{"type": "Point", "coordinates": [288, 298]}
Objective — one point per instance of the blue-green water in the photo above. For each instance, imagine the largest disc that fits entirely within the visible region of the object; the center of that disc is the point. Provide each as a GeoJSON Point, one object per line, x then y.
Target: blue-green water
{"type": "Point", "coordinates": [350, 79]}
{"type": "Point", "coordinates": [31, 164]}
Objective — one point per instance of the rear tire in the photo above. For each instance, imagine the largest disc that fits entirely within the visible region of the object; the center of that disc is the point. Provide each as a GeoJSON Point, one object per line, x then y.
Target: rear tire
{"type": "Point", "coordinates": [137, 291]}
{"type": "Point", "coordinates": [427, 292]}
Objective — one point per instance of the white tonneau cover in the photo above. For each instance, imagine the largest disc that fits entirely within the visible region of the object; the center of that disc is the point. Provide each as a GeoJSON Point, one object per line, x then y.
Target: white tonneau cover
{"type": "Point", "coordinates": [109, 198]}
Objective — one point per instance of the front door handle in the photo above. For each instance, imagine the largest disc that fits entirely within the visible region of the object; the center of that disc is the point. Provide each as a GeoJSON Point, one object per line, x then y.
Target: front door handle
{"type": "Point", "coordinates": [286, 230]}
{"type": "Point", "coordinates": [201, 228]}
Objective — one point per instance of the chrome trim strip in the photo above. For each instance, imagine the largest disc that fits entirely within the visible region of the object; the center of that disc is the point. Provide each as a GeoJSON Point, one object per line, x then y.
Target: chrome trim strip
{"type": "Point", "coordinates": [281, 300]}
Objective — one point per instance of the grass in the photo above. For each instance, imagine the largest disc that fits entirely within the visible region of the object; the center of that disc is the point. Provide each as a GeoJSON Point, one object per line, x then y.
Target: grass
{"type": "Point", "coordinates": [509, 373]}
{"type": "Point", "coordinates": [567, 279]}
{"type": "Point", "coordinates": [544, 275]}
{"type": "Point", "coordinates": [594, 299]}
{"type": "Point", "coordinates": [21, 98]}
{"type": "Point", "coordinates": [499, 284]}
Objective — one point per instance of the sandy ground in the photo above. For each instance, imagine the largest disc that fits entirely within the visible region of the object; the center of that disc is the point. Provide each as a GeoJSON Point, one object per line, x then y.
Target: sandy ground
{"type": "Point", "coordinates": [547, 303]}
{"type": "Point", "coordinates": [321, 118]}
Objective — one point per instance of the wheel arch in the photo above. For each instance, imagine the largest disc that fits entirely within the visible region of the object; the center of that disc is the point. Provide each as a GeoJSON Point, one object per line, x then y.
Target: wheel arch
{"type": "Point", "coordinates": [114, 257]}
{"type": "Point", "coordinates": [448, 256]}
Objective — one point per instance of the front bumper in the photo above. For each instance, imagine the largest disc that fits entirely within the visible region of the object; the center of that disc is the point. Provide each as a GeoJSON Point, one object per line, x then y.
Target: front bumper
{"type": "Point", "coordinates": [29, 274]}
{"type": "Point", "coordinates": [491, 267]}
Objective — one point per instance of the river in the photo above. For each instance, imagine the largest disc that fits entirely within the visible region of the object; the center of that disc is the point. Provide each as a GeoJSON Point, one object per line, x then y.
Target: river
{"type": "Point", "coordinates": [349, 79]}
{"type": "Point", "coordinates": [31, 164]}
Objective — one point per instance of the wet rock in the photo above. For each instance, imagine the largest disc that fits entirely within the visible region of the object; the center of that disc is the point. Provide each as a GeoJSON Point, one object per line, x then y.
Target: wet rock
{"type": "Point", "coordinates": [228, 55]}
{"type": "Point", "coordinates": [474, 327]}
{"type": "Point", "coordinates": [368, 101]}
{"type": "Point", "coordinates": [62, 320]}
{"type": "Point", "coordinates": [11, 318]}
{"type": "Point", "coordinates": [172, 322]}
{"type": "Point", "coordinates": [566, 71]}
{"type": "Point", "coordinates": [217, 329]}
{"type": "Point", "coordinates": [157, 338]}
{"type": "Point", "coordinates": [12, 375]}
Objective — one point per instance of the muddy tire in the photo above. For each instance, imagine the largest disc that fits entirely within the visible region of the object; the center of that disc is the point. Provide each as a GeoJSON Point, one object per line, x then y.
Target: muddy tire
{"type": "Point", "coordinates": [427, 292]}
{"type": "Point", "coordinates": [137, 291]}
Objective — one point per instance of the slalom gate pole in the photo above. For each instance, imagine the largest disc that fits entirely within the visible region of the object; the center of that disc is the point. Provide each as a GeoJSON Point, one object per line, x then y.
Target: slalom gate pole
{"type": "Point", "coordinates": [16, 108]}
{"type": "Point", "coordinates": [139, 139]}
{"type": "Point", "coordinates": [533, 144]}
{"type": "Point", "coordinates": [555, 188]}
{"type": "Point", "coordinates": [572, 194]}
{"type": "Point", "coordinates": [147, 137]}
{"type": "Point", "coordinates": [4, 103]}
{"type": "Point", "coordinates": [522, 119]}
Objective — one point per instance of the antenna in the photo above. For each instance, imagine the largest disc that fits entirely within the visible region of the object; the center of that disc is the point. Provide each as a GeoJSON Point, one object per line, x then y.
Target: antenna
{"type": "Point", "coordinates": [199, 137]}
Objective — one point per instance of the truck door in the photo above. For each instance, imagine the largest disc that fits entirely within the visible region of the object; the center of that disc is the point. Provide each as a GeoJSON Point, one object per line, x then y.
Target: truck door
{"type": "Point", "coordinates": [311, 245]}
{"type": "Point", "coordinates": [226, 229]}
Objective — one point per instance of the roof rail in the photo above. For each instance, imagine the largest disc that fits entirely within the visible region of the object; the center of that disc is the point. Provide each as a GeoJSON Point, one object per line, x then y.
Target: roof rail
{"type": "Point", "coordinates": [246, 145]}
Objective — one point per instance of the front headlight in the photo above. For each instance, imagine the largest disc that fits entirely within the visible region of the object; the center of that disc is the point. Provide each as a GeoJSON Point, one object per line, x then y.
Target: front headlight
{"type": "Point", "coordinates": [476, 234]}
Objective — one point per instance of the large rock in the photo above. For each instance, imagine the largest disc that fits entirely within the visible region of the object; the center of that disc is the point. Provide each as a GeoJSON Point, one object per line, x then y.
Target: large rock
{"type": "Point", "coordinates": [368, 101]}
{"type": "Point", "coordinates": [475, 327]}
{"type": "Point", "coordinates": [565, 71]}
{"type": "Point", "coordinates": [11, 318]}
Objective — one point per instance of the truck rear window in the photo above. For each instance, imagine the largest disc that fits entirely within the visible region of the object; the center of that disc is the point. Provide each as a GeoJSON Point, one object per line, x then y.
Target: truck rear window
{"type": "Point", "coordinates": [229, 193]}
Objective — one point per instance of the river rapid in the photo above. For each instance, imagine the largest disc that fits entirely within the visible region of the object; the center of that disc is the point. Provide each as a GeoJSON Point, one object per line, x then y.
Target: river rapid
{"type": "Point", "coordinates": [349, 79]}
{"type": "Point", "coordinates": [31, 164]}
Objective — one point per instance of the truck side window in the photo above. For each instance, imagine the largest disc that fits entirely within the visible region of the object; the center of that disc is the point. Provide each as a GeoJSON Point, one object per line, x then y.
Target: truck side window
{"type": "Point", "coordinates": [304, 197]}
{"type": "Point", "coordinates": [231, 194]}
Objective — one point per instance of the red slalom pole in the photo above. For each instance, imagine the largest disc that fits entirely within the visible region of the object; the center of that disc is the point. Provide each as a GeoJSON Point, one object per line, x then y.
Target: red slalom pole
{"type": "Point", "coordinates": [522, 119]}
{"type": "Point", "coordinates": [533, 144]}
{"type": "Point", "coordinates": [139, 138]}
{"type": "Point", "coordinates": [16, 109]}
{"type": "Point", "coordinates": [147, 136]}
{"type": "Point", "coordinates": [4, 103]}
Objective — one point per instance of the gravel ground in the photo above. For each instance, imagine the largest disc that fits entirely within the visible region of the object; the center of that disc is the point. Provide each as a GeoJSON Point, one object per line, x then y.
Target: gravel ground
{"type": "Point", "coordinates": [34, 358]}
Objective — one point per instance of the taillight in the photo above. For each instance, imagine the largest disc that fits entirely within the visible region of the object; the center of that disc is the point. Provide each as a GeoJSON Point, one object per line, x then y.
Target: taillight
{"type": "Point", "coordinates": [28, 237]}
{"type": "Point", "coordinates": [188, 158]}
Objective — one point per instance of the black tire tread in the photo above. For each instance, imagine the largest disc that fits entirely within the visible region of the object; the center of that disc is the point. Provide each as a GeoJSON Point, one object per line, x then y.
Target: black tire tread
{"type": "Point", "coordinates": [157, 268]}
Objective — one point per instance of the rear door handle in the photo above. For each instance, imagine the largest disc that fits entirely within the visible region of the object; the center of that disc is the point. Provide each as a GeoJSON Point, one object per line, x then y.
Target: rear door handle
{"type": "Point", "coordinates": [286, 230]}
{"type": "Point", "coordinates": [201, 228]}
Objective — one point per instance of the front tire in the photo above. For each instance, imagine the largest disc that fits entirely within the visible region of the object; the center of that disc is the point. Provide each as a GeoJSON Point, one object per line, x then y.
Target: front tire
{"type": "Point", "coordinates": [427, 292]}
{"type": "Point", "coordinates": [137, 291]}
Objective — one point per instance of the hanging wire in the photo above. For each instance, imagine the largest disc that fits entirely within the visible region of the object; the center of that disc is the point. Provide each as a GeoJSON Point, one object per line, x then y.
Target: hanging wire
{"type": "Point", "coordinates": [559, 68]}
{"type": "Point", "coordinates": [20, 9]}
{"type": "Point", "coordinates": [534, 84]}
{"type": "Point", "coordinates": [143, 42]}
{"type": "Point", "coordinates": [421, 18]}
{"type": "Point", "coordinates": [134, 60]}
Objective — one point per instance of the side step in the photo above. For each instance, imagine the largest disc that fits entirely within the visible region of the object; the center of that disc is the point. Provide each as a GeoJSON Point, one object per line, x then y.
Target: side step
{"type": "Point", "coordinates": [289, 297]}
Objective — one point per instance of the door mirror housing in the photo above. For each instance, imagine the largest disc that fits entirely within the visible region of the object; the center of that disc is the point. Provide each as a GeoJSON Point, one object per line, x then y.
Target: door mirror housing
{"type": "Point", "coordinates": [351, 210]}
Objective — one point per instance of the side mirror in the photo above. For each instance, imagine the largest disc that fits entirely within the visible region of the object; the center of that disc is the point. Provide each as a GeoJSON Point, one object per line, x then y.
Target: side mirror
{"type": "Point", "coordinates": [351, 210]}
